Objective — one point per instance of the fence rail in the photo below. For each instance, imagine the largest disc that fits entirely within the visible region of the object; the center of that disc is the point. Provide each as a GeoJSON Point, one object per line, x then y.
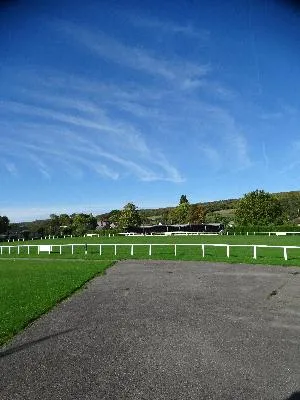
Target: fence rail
{"type": "Point", "coordinates": [202, 246]}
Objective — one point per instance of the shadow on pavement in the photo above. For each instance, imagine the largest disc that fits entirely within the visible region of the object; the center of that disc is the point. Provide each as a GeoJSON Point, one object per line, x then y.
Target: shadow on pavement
{"type": "Point", "coordinates": [29, 344]}
{"type": "Point", "coordinates": [294, 396]}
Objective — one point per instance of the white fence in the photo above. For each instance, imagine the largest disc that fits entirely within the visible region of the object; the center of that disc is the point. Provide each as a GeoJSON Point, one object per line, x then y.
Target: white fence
{"type": "Point", "coordinates": [50, 248]}
{"type": "Point", "coordinates": [265, 233]}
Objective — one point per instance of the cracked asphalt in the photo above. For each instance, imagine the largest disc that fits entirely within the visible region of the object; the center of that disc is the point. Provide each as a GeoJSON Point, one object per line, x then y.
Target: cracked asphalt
{"type": "Point", "coordinates": [164, 330]}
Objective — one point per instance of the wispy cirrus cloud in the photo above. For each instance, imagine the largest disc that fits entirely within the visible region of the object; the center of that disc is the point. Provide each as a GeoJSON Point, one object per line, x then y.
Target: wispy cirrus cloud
{"type": "Point", "coordinates": [212, 155]}
{"type": "Point", "coordinates": [107, 146]}
{"type": "Point", "coordinates": [119, 129]}
{"type": "Point", "coordinates": [177, 70]}
{"type": "Point", "coordinates": [10, 167]}
{"type": "Point", "coordinates": [170, 27]}
{"type": "Point", "coordinates": [293, 163]}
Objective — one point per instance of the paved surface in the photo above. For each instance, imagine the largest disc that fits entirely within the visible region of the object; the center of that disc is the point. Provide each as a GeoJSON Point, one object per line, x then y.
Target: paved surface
{"type": "Point", "coordinates": [164, 330]}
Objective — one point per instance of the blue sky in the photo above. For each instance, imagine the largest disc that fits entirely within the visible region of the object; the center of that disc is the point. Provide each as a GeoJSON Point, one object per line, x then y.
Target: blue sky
{"type": "Point", "coordinates": [119, 101]}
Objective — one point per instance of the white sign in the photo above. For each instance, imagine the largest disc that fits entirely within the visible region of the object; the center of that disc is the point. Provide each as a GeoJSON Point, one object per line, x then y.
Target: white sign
{"type": "Point", "coordinates": [45, 247]}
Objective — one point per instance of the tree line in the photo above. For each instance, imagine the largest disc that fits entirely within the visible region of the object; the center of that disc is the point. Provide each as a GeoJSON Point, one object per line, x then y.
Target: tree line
{"type": "Point", "coordinates": [254, 209]}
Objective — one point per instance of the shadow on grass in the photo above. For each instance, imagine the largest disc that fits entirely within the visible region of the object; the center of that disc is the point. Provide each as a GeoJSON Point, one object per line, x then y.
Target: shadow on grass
{"type": "Point", "coordinates": [29, 344]}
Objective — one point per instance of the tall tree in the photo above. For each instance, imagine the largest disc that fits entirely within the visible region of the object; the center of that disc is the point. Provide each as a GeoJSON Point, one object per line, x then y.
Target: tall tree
{"type": "Point", "coordinates": [81, 223]}
{"type": "Point", "coordinates": [258, 208]}
{"type": "Point", "coordinates": [129, 216]}
{"type": "Point", "coordinates": [181, 213]}
{"type": "Point", "coordinates": [113, 216]}
{"type": "Point", "coordinates": [290, 203]}
{"type": "Point", "coordinates": [4, 224]}
{"type": "Point", "coordinates": [183, 199]}
{"type": "Point", "coordinates": [54, 225]}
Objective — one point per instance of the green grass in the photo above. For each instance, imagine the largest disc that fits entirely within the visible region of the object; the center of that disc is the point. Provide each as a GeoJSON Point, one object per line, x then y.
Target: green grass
{"type": "Point", "coordinates": [186, 252]}
{"type": "Point", "coordinates": [29, 288]}
{"type": "Point", "coordinates": [230, 239]}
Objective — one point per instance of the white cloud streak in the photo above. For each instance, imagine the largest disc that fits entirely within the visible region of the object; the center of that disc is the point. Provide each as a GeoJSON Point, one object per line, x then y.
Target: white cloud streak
{"type": "Point", "coordinates": [89, 149]}
{"type": "Point", "coordinates": [136, 58]}
{"type": "Point", "coordinates": [113, 129]}
{"type": "Point", "coordinates": [170, 27]}
{"type": "Point", "coordinates": [11, 168]}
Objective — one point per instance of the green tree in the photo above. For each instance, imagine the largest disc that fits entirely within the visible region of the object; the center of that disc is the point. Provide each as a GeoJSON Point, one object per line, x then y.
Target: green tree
{"type": "Point", "coordinates": [113, 216]}
{"type": "Point", "coordinates": [258, 208]}
{"type": "Point", "coordinates": [165, 216]}
{"type": "Point", "coordinates": [183, 199]}
{"type": "Point", "coordinates": [216, 217]}
{"type": "Point", "coordinates": [4, 224]}
{"type": "Point", "coordinates": [82, 223]}
{"type": "Point", "coordinates": [290, 203]}
{"type": "Point", "coordinates": [181, 213]}
{"type": "Point", "coordinates": [129, 216]}
{"type": "Point", "coordinates": [54, 225]}
{"type": "Point", "coordinates": [197, 214]}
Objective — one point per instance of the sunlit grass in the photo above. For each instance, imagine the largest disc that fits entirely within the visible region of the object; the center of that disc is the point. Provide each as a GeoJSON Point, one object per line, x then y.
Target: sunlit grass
{"type": "Point", "coordinates": [29, 288]}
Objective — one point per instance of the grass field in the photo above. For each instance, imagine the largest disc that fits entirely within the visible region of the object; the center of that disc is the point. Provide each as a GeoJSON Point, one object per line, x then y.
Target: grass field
{"type": "Point", "coordinates": [272, 256]}
{"type": "Point", "coordinates": [29, 288]}
{"type": "Point", "coordinates": [230, 239]}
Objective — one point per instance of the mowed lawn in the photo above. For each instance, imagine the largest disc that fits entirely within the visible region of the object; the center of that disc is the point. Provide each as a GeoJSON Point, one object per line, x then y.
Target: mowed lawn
{"type": "Point", "coordinates": [29, 288]}
{"type": "Point", "coordinates": [188, 248]}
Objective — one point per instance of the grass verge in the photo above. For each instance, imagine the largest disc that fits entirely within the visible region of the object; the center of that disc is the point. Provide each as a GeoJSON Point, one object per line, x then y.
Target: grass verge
{"type": "Point", "coordinates": [29, 288]}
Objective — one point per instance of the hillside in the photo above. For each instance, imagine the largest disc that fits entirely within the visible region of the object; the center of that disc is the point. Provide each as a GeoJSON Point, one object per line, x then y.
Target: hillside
{"type": "Point", "coordinates": [216, 211]}
{"type": "Point", "coordinates": [290, 202]}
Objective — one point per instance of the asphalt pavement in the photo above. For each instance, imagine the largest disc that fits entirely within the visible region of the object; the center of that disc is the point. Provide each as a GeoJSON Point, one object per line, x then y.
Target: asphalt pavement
{"type": "Point", "coordinates": [162, 330]}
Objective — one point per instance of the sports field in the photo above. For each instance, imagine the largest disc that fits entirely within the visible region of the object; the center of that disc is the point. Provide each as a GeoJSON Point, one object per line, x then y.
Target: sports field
{"type": "Point", "coordinates": [187, 248]}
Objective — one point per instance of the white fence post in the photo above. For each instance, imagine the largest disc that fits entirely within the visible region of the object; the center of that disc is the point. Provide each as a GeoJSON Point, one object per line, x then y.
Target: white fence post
{"type": "Point", "coordinates": [175, 250]}
{"type": "Point", "coordinates": [18, 249]}
{"type": "Point", "coordinates": [285, 253]}
{"type": "Point", "coordinates": [1, 250]}
{"type": "Point", "coordinates": [115, 249]}
{"type": "Point", "coordinates": [131, 251]}
{"type": "Point", "coordinates": [150, 250]}
{"type": "Point", "coordinates": [9, 250]}
{"type": "Point", "coordinates": [59, 250]}
{"type": "Point", "coordinates": [100, 249]}
{"type": "Point", "coordinates": [28, 249]}
{"type": "Point", "coordinates": [228, 251]}
{"type": "Point", "coordinates": [254, 252]}
{"type": "Point", "coordinates": [203, 252]}
{"type": "Point", "coordinates": [72, 249]}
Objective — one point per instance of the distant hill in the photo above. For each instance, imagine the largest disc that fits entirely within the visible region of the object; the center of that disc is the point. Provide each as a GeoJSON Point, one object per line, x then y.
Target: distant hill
{"type": "Point", "coordinates": [290, 202]}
